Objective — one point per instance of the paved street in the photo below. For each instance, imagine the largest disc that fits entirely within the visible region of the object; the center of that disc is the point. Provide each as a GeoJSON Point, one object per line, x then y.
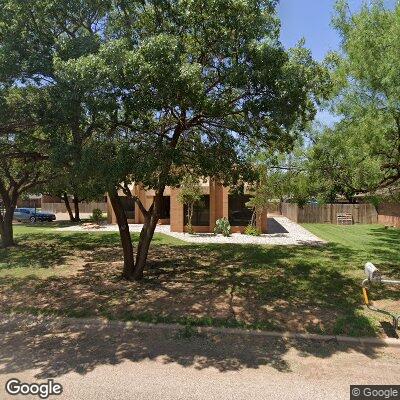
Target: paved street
{"type": "Point", "coordinates": [114, 361]}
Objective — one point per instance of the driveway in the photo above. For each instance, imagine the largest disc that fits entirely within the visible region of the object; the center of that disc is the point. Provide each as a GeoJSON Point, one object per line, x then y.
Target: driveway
{"type": "Point", "coordinates": [94, 360]}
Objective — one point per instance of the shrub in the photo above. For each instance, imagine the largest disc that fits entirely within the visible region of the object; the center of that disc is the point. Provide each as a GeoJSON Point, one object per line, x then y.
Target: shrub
{"type": "Point", "coordinates": [222, 226]}
{"type": "Point", "coordinates": [97, 216]}
{"type": "Point", "coordinates": [252, 230]}
{"type": "Point", "coordinates": [189, 195]}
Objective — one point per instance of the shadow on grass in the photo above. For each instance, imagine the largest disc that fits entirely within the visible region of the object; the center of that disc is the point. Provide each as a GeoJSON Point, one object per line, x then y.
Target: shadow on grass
{"type": "Point", "coordinates": [385, 254]}
{"type": "Point", "coordinates": [48, 249]}
{"type": "Point", "coordinates": [296, 288]}
{"type": "Point", "coordinates": [386, 245]}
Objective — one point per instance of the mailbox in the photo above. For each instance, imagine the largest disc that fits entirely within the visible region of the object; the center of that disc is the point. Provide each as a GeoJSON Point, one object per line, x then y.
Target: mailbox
{"type": "Point", "coordinates": [373, 274]}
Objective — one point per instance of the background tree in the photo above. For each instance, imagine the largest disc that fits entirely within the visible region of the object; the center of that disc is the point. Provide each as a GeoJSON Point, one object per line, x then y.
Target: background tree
{"type": "Point", "coordinates": [23, 152]}
{"type": "Point", "coordinates": [341, 165]}
{"type": "Point", "coordinates": [39, 39]}
{"type": "Point", "coordinates": [368, 86]}
{"type": "Point", "coordinates": [190, 194]}
{"type": "Point", "coordinates": [285, 176]}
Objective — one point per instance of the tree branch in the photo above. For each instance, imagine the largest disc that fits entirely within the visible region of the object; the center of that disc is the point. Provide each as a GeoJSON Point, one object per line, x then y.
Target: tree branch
{"type": "Point", "coordinates": [128, 193]}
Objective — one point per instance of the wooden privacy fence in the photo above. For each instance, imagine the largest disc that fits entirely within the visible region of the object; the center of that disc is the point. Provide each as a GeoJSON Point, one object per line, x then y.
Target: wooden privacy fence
{"type": "Point", "coordinates": [29, 203]}
{"type": "Point", "coordinates": [327, 213]}
{"type": "Point", "coordinates": [389, 214]}
{"type": "Point", "coordinates": [83, 207]}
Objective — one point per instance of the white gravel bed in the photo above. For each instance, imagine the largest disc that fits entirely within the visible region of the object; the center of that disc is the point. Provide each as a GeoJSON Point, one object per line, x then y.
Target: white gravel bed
{"type": "Point", "coordinates": [282, 232]}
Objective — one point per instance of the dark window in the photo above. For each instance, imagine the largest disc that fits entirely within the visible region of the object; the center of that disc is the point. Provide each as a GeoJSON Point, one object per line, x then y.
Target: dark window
{"type": "Point", "coordinates": [201, 212]}
{"type": "Point", "coordinates": [239, 214]}
{"type": "Point", "coordinates": [165, 210]}
{"type": "Point", "coordinates": [129, 206]}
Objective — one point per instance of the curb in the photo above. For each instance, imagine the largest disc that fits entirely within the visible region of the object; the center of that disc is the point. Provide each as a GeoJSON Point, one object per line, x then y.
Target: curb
{"type": "Point", "coordinates": [358, 341]}
{"type": "Point", "coordinates": [355, 341]}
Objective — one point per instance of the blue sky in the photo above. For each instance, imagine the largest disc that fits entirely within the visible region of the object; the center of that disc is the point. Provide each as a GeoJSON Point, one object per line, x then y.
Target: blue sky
{"type": "Point", "coordinates": [311, 19]}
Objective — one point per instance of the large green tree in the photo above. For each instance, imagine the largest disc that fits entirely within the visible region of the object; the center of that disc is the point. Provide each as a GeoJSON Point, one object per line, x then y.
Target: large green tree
{"type": "Point", "coordinates": [199, 81]}
{"type": "Point", "coordinates": [340, 163]}
{"type": "Point", "coordinates": [145, 90]}
{"type": "Point", "coordinates": [367, 99]}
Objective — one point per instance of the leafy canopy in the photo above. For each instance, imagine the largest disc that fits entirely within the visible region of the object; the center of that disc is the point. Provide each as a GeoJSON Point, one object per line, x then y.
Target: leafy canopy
{"type": "Point", "coordinates": [193, 83]}
{"type": "Point", "coordinates": [367, 80]}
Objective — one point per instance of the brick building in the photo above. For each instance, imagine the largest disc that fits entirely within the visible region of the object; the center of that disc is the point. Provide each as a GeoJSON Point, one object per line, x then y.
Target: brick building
{"type": "Point", "coordinates": [217, 202]}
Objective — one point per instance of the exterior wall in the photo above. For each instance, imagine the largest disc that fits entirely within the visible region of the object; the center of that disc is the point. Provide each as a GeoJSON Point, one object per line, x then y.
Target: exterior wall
{"type": "Point", "coordinates": [146, 197]}
{"type": "Point", "coordinates": [262, 220]}
{"type": "Point", "coordinates": [110, 213]}
{"type": "Point", "coordinates": [177, 218]}
{"type": "Point", "coordinates": [140, 193]}
{"type": "Point", "coordinates": [218, 203]}
{"type": "Point", "coordinates": [176, 212]}
{"type": "Point", "coordinates": [219, 208]}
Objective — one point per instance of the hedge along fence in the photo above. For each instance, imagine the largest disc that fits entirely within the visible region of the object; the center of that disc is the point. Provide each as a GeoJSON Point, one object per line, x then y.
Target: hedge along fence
{"type": "Point", "coordinates": [327, 213]}
{"type": "Point", "coordinates": [83, 207]}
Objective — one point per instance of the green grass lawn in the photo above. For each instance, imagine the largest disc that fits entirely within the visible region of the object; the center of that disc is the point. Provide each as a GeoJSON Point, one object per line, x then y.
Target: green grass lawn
{"type": "Point", "coordinates": [373, 242]}
{"type": "Point", "coordinates": [297, 288]}
{"type": "Point", "coordinates": [42, 251]}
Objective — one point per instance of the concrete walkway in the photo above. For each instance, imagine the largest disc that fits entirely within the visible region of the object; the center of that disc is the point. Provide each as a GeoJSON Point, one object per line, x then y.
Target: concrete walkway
{"type": "Point", "coordinates": [121, 361]}
{"type": "Point", "coordinates": [281, 230]}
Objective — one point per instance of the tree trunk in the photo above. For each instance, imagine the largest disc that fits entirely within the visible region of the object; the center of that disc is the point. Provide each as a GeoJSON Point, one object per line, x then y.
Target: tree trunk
{"type": "Point", "coordinates": [76, 208]}
{"type": "Point", "coordinates": [190, 207]}
{"type": "Point", "coordinates": [146, 235]}
{"type": "Point", "coordinates": [152, 218]}
{"type": "Point", "coordinates": [280, 209]}
{"type": "Point", "coordinates": [6, 227]}
{"type": "Point", "coordinates": [126, 240]}
{"type": "Point", "coordinates": [68, 207]}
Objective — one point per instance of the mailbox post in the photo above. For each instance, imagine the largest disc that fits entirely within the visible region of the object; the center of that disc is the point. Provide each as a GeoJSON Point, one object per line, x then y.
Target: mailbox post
{"type": "Point", "coordinates": [374, 277]}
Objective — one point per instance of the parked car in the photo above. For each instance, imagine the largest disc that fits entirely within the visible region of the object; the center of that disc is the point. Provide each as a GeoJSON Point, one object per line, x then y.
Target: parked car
{"type": "Point", "coordinates": [32, 215]}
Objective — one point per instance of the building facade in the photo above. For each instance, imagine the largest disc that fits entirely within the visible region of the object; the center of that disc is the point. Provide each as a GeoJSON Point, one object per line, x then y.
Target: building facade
{"type": "Point", "coordinates": [217, 202]}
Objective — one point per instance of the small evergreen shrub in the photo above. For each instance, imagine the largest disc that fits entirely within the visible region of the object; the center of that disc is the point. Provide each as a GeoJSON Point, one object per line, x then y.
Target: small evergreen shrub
{"type": "Point", "coordinates": [252, 230]}
{"type": "Point", "coordinates": [97, 216]}
{"type": "Point", "coordinates": [223, 227]}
